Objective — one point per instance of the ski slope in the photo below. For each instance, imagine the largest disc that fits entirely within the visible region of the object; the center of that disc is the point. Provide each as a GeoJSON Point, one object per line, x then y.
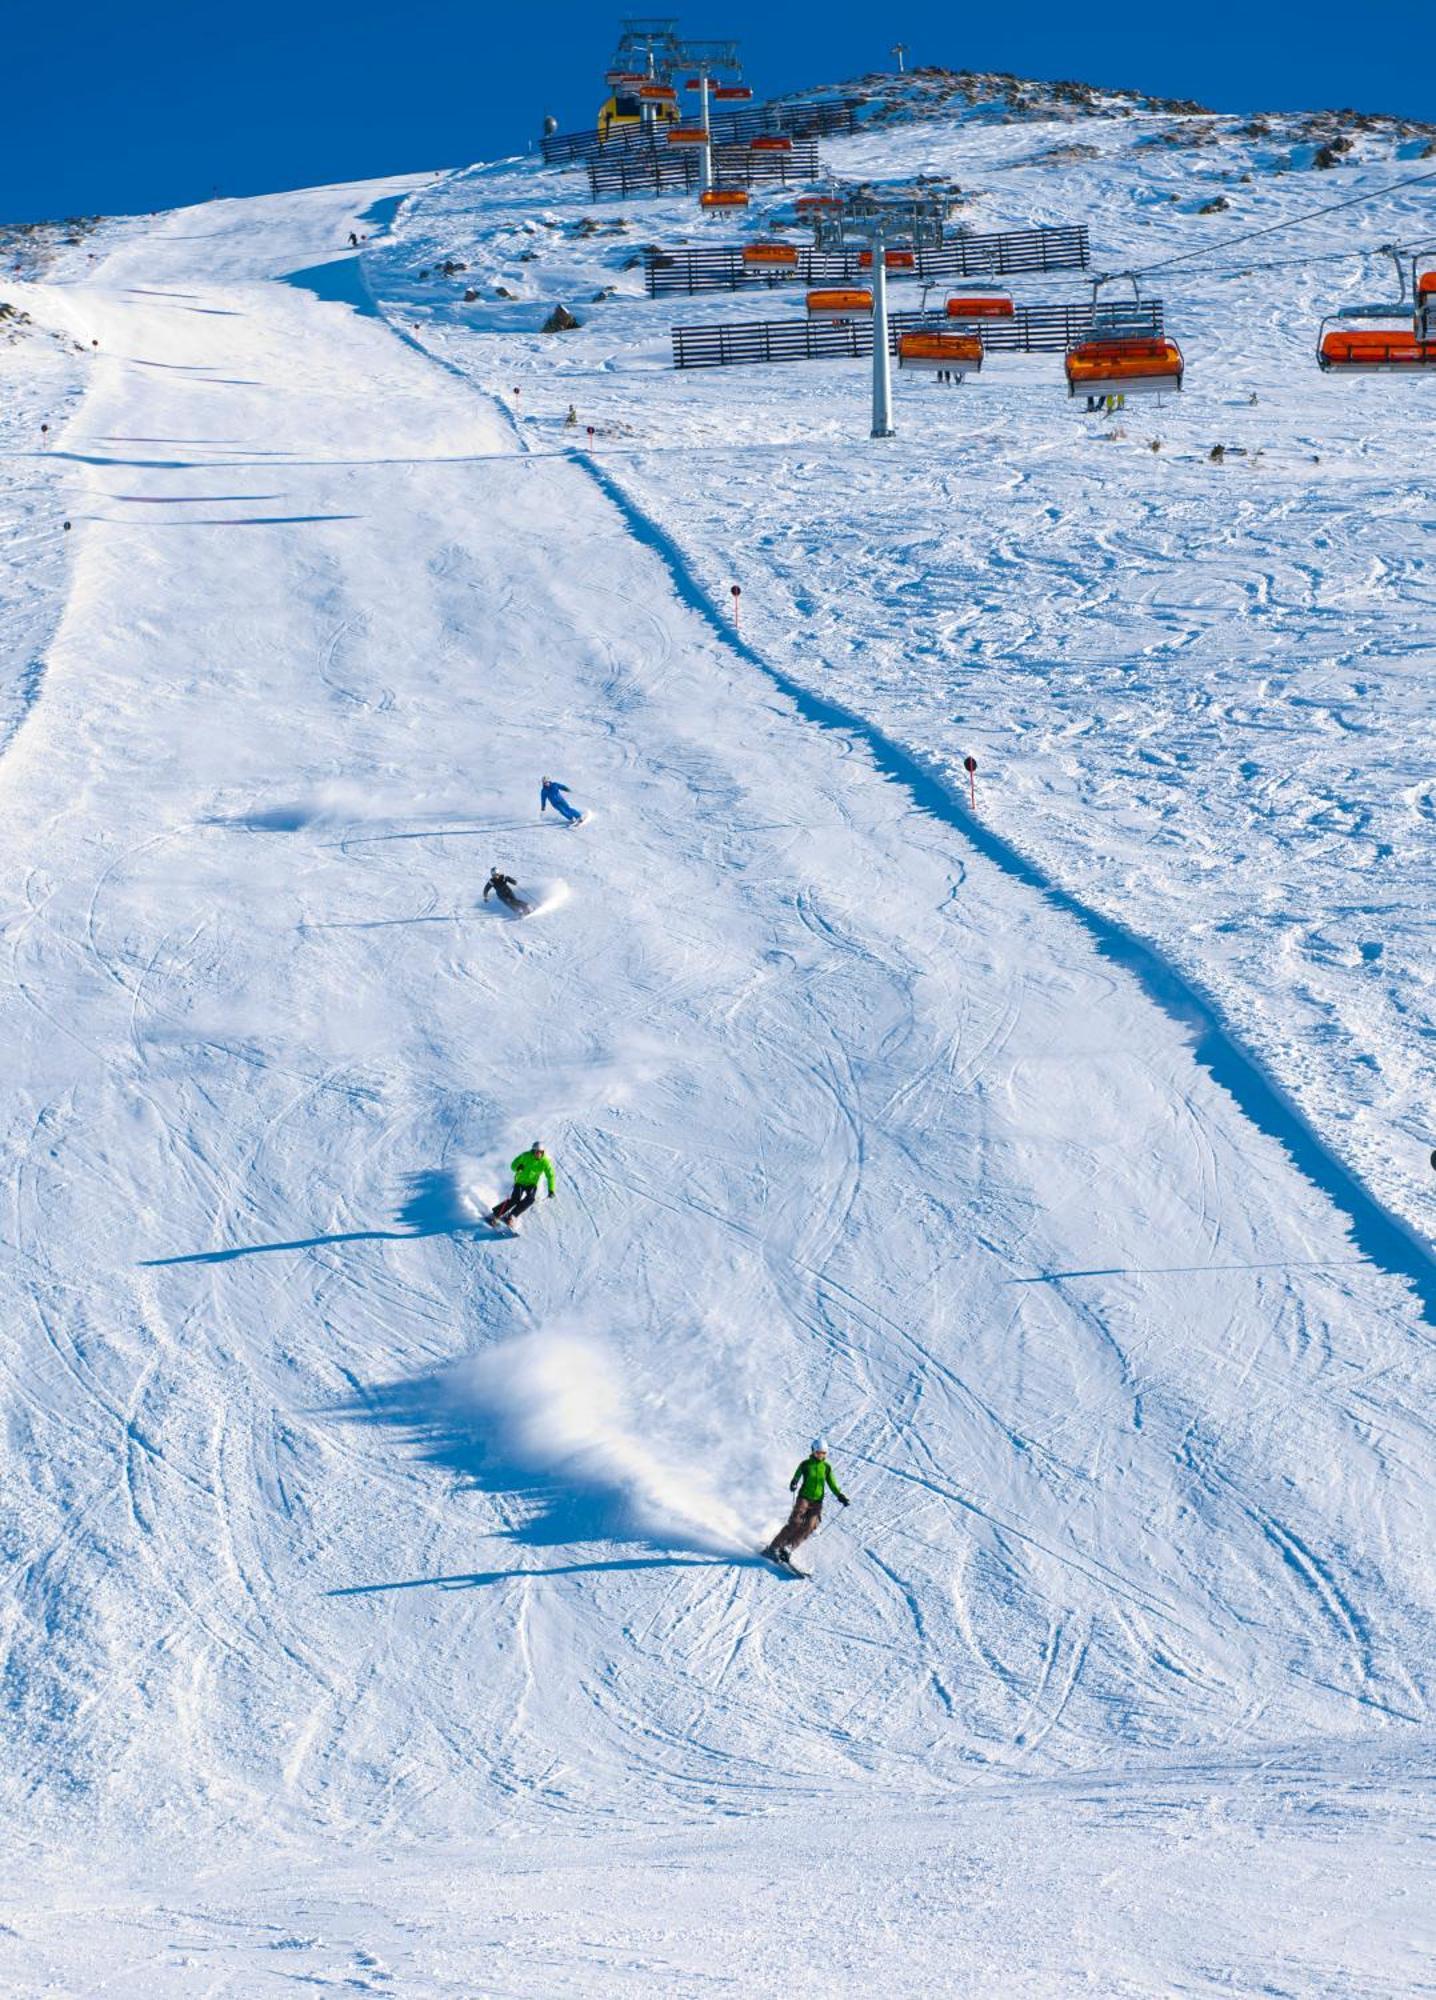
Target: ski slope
{"type": "Point", "coordinates": [381, 1609]}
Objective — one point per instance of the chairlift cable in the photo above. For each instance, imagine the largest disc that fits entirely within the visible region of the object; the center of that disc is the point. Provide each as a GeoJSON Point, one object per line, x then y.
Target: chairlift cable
{"type": "Point", "coordinates": [1273, 228]}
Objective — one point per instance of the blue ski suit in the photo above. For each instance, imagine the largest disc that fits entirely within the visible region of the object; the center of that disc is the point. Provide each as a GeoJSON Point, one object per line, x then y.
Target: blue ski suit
{"type": "Point", "coordinates": [553, 794]}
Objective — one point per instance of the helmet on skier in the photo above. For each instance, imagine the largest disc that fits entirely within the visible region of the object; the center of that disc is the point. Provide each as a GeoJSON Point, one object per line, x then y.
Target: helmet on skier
{"type": "Point", "coordinates": [537, 1146]}
{"type": "Point", "coordinates": [818, 1448]}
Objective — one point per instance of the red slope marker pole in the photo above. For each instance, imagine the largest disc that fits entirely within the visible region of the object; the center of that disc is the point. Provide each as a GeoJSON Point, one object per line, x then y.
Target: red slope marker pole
{"type": "Point", "coordinates": [969, 764]}
{"type": "Point", "coordinates": [736, 592]}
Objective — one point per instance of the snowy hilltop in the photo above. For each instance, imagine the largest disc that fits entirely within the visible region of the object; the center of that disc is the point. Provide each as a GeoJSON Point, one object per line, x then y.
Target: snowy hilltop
{"type": "Point", "coordinates": [577, 925]}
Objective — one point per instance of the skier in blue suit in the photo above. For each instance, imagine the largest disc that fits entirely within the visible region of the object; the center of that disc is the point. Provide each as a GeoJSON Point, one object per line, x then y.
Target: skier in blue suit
{"type": "Point", "coordinates": [552, 793]}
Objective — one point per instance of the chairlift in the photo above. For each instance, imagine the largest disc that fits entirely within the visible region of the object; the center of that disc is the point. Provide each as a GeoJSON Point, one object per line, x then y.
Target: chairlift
{"type": "Point", "coordinates": [731, 93]}
{"type": "Point", "coordinates": [981, 305]}
{"type": "Point", "coordinates": [1124, 365]}
{"type": "Point", "coordinates": [840, 303]}
{"type": "Point", "coordinates": [1357, 350]}
{"type": "Point", "coordinates": [687, 135]}
{"type": "Point", "coordinates": [1121, 356]}
{"type": "Point", "coordinates": [955, 354]}
{"type": "Point", "coordinates": [723, 198]}
{"type": "Point", "coordinates": [1386, 339]}
{"type": "Point", "coordinates": [657, 93]}
{"type": "Point", "coordinates": [770, 143]}
{"type": "Point", "coordinates": [771, 256]}
{"type": "Point", "coordinates": [893, 260]}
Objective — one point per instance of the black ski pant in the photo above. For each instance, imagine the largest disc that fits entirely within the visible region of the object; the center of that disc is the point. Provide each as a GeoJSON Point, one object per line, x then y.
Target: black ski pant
{"type": "Point", "coordinates": [801, 1523]}
{"type": "Point", "coordinates": [516, 1203]}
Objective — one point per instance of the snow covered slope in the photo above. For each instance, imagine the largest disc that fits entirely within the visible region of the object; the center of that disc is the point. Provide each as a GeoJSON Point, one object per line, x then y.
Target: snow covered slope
{"type": "Point", "coordinates": [1197, 688]}
{"type": "Point", "coordinates": [381, 1608]}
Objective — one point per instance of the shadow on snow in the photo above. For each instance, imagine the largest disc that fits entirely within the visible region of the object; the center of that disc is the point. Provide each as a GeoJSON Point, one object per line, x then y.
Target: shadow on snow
{"type": "Point", "coordinates": [433, 1205]}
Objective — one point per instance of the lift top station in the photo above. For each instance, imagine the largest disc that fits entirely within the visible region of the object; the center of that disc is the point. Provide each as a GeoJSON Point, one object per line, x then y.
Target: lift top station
{"type": "Point", "coordinates": [651, 66]}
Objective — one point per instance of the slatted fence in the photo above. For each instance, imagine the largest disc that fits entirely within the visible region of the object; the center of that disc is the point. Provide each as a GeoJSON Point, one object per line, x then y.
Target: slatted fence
{"type": "Point", "coordinates": [671, 170]}
{"type": "Point", "coordinates": [796, 121]}
{"type": "Point", "coordinates": [721, 268]}
{"type": "Point", "coordinates": [1031, 330]}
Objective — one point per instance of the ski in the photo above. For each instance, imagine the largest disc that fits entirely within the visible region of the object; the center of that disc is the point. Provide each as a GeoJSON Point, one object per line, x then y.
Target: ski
{"type": "Point", "coordinates": [788, 1568]}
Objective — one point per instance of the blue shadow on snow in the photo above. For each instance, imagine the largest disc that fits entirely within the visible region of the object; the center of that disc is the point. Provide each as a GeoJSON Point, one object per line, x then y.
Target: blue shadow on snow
{"type": "Point", "coordinates": [1379, 1236]}
{"type": "Point", "coordinates": [433, 1205]}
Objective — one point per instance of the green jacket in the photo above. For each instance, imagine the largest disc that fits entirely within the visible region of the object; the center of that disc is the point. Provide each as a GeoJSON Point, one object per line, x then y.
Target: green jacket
{"type": "Point", "coordinates": [815, 1476]}
{"type": "Point", "coordinates": [530, 1168]}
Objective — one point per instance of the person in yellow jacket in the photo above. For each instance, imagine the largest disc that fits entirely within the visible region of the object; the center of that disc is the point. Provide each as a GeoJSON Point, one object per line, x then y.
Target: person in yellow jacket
{"type": "Point", "coordinates": [811, 1482]}
{"type": "Point", "coordinates": [528, 1170]}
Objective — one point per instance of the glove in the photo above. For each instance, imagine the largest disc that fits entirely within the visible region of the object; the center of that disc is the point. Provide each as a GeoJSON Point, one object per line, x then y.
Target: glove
{"type": "Point", "coordinates": [842, 1500]}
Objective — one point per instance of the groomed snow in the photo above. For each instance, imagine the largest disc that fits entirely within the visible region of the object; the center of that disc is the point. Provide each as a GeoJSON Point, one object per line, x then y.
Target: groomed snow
{"type": "Point", "coordinates": [381, 1604]}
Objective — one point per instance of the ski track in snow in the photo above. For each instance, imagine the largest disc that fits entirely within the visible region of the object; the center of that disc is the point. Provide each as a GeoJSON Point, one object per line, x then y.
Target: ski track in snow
{"type": "Point", "coordinates": [337, 1530]}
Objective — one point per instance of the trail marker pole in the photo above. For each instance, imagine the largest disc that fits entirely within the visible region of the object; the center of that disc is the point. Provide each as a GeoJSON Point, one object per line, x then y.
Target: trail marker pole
{"type": "Point", "coordinates": [736, 592]}
{"type": "Point", "coordinates": [969, 764]}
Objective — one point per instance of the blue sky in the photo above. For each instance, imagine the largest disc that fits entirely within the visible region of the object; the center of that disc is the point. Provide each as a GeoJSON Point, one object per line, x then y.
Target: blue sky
{"type": "Point", "coordinates": [117, 108]}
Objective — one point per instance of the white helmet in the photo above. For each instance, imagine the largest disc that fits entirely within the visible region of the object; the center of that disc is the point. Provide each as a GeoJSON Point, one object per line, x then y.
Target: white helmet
{"type": "Point", "coordinates": [818, 1448]}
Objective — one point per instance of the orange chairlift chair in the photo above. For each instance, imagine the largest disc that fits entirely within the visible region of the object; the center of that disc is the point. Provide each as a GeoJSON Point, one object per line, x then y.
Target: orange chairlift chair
{"type": "Point", "coordinates": [1397, 339]}
{"type": "Point", "coordinates": [1122, 356]}
{"type": "Point", "coordinates": [974, 307]}
{"type": "Point", "coordinates": [1124, 365]}
{"type": "Point", "coordinates": [950, 355]}
{"type": "Point", "coordinates": [840, 302]}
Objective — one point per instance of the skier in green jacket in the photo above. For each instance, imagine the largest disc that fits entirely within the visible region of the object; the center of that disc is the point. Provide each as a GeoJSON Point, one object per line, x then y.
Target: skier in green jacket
{"type": "Point", "coordinates": [528, 1170]}
{"type": "Point", "coordinates": [812, 1480]}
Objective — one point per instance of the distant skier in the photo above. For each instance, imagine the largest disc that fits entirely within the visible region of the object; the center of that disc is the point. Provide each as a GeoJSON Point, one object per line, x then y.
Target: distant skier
{"type": "Point", "coordinates": [506, 889]}
{"type": "Point", "coordinates": [353, 241]}
{"type": "Point", "coordinates": [552, 793]}
{"type": "Point", "coordinates": [528, 1170]}
{"type": "Point", "coordinates": [812, 1480]}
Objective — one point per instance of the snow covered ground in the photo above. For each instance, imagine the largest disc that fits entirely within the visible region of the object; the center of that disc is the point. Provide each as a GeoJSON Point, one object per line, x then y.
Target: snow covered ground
{"type": "Point", "coordinates": [380, 1605]}
{"type": "Point", "coordinates": [1197, 690]}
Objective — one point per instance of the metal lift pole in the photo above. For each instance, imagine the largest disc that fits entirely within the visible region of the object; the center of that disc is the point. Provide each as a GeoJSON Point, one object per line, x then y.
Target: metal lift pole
{"type": "Point", "coordinates": [882, 360]}
{"type": "Point", "coordinates": [708, 130]}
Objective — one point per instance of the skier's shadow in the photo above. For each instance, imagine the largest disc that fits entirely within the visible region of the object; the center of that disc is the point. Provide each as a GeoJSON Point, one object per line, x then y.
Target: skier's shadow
{"type": "Point", "coordinates": [571, 1503]}
{"type": "Point", "coordinates": [433, 1204]}
{"type": "Point", "coordinates": [480, 1579]}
